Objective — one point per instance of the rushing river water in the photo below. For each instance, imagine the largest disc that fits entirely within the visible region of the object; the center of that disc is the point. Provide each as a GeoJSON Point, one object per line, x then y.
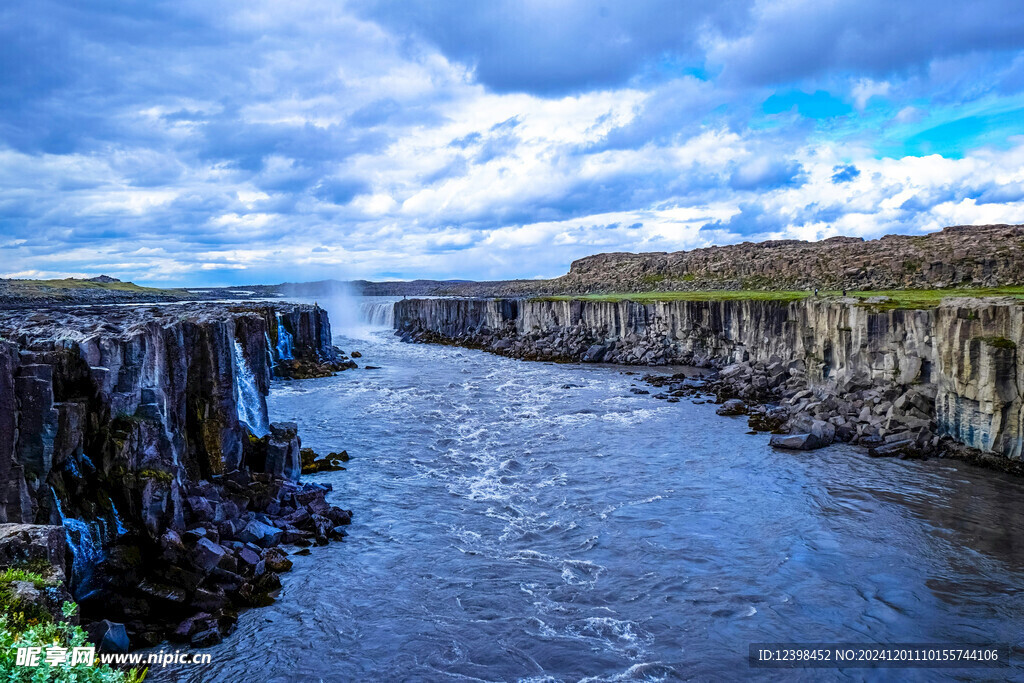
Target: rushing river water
{"type": "Point", "coordinates": [518, 520]}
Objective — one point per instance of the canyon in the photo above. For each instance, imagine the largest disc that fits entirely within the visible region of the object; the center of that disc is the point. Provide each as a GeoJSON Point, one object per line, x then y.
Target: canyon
{"type": "Point", "coordinates": [905, 382]}
{"type": "Point", "coordinates": [141, 435]}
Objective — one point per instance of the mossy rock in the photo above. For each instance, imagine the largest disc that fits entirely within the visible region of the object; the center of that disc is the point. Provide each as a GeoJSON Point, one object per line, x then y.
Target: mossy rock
{"type": "Point", "coordinates": [998, 342]}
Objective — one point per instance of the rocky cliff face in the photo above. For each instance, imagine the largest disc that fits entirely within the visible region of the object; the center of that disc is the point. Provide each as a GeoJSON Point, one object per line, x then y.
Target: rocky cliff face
{"type": "Point", "coordinates": [879, 376]}
{"type": "Point", "coordinates": [967, 256]}
{"type": "Point", "coordinates": [143, 431]}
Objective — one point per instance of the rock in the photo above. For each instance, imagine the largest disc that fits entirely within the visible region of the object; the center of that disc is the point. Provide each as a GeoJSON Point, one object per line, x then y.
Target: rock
{"type": "Point", "coordinates": [276, 561]}
{"type": "Point", "coordinates": [356, 354]}
{"type": "Point", "coordinates": [34, 544]}
{"type": "Point", "coordinates": [207, 638]}
{"type": "Point", "coordinates": [261, 534]}
{"type": "Point", "coordinates": [733, 406]}
{"type": "Point", "coordinates": [283, 457]}
{"type": "Point", "coordinates": [906, 447]}
{"type": "Point", "coordinates": [798, 442]}
{"type": "Point", "coordinates": [594, 353]}
{"type": "Point", "coordinates": [206, 555]}
{"type": "Point", "coordinates": [824, 433]}
{"type": "Point", "coordinates": [108, 636]}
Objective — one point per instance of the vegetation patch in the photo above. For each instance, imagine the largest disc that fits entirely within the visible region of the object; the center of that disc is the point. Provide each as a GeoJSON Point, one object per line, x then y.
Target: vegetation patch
{"type": "Point", "coordinates": [157, 475]}
{"type": "Point", "coordinates": [44, 634]}
{"type": "Point", "coordinates": [998, 342]}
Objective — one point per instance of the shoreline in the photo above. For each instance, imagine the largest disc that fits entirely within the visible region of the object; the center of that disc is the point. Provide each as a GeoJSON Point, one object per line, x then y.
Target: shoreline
{"type": "Point", "coordinates": [909, 382]}
{"type": "Point", "coordinates": [141, 434]}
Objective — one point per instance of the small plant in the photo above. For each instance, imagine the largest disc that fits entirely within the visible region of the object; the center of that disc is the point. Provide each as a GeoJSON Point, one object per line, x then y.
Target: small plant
{"type": "Point", "coordinates": [50, 634]}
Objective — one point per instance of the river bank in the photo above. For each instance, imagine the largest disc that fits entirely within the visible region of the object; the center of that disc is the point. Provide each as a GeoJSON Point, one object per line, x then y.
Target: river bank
{"type": "Point", "coordinates": [540, 521]}
{"type": "Point", "coordinates": [900, 381]}
{"type": "Point", "coordinates": [141, 434]}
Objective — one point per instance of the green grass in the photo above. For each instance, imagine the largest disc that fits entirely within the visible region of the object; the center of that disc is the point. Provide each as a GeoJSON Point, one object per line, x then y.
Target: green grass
{"type": "Point", "coordinates": [10, 574]}
{"type": "Point", "coordinates": [72, 283]}
{"type": "Point", "coordinates": [897, 298]}
{"type": "Point", "coordinates": [707, 295]}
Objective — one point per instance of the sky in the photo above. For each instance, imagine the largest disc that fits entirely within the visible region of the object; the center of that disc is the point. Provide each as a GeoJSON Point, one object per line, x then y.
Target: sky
{"type": "Point", "coordinates": [203, 142]}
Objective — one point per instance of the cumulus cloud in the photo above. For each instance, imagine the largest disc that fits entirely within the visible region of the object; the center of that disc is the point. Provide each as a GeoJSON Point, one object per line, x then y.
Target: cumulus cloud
{"type": "Point", "coordinates": [214, 143]}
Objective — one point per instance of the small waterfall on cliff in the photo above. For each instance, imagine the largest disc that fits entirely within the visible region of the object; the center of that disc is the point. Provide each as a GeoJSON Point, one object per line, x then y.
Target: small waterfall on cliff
{"type": "Point", "coordinates": [85, 542]}
{"type": "Point", "coordinates": [378, 314]}
{"type": "Point", "coordinates": [270, 350]}
{"type": "Point", "coordinates": [285, 341]}
{"type": "Point", "coordinates": [251, 410]}
{"type": "Point", "coordinates": [118, 524]}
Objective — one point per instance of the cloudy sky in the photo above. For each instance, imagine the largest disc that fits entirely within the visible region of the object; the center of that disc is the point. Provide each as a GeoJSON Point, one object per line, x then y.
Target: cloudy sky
{"type": "Point", "coordinates": [211, 142]}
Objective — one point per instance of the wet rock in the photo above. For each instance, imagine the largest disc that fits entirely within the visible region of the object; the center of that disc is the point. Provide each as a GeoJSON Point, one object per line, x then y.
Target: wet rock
{"type": "Point", "coordinates": [312, 464]}
{"type": "Point", "coordinates": [109, 636]}
{"type": "Point", "coordinates": [905, 448]}
{"type": "Point", "coordinates": [594, 354]}
{"type": "Point", "coordinates": [276, 560]}
{"type": "Point", "coordinates": [207, 638]}
{"type": "Point", "coordinates": [207, 555]}
{"type": "Point", "coordinates": [732, 407]}
{"type": "Point", "coordinates": [798, 442]}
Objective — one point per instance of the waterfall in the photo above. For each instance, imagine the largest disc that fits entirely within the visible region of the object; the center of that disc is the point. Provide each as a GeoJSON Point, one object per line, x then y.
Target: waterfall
{"type": "Point", "coordinates": [251, 409]}
{"type": "Point", "coordinates": [118, 524]}
{"type": "Point", "coordinates": [285, 341]}
{"type": "Point", "coordinates": [85, 543]}
{"type": "Point", "coordinates": [378, 314]}
{"type": "Point", "coordinates": [270, 350]}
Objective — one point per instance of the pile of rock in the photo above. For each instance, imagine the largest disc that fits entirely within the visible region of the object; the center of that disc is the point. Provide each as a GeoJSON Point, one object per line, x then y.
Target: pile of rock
{"type": "Point", "coordinates": [891, 421]}
{"type": "Point", "coordinates": [311, 367]}
{"type": "Point", "coordinates": [191, 585]}
{"type": "Point", "coordinates": [567, 344]}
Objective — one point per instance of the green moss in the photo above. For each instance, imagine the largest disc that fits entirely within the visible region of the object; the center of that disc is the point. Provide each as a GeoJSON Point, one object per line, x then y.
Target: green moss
{"type": "Point", "coordinates": [156, 475]}
{"type": "Point", "coordinates": [998, 342]}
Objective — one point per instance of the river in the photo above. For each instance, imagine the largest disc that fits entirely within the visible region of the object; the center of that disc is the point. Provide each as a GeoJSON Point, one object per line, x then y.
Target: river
{"type": "Point", "coordinates": [532, 521]}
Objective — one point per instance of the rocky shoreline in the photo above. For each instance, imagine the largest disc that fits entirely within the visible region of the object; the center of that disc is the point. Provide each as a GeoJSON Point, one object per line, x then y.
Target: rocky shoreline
{"type": "Point", "coordinates": [911, 383]}
{"type": "Point", "coordinates": [139, 437]}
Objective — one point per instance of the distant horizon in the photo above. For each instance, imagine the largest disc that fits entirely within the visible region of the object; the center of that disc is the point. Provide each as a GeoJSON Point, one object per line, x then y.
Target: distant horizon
{"type": "Point", "coordinates": [385, 280]}
{"type": "Point", "coordinates": [215, 143]}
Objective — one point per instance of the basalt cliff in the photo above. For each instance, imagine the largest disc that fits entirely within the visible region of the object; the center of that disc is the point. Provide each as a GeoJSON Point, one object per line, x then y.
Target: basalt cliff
{"type": "Point", "coordinates": [899, 381]}
{"type": "Point", "coordinates": [141, 435]}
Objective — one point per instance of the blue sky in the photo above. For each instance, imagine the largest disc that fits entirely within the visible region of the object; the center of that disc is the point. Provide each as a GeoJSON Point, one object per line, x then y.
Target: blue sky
{"type": "Point", "coordinates": [207, 142]}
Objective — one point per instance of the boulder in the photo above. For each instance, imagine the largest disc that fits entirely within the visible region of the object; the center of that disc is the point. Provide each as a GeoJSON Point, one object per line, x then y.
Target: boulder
{"type": "Point", "coordinates": [261, 534]}
{"type": "Point", "coordinates": [733, 406]}
{"type": "Point", "coordinates": [796, 442]}
{"type": "Point", "coordinates": [108, 636]}
{"type": "Point", "coordinates": [594, 354]}
{"type": "Point", "coordinates": [206, 555]}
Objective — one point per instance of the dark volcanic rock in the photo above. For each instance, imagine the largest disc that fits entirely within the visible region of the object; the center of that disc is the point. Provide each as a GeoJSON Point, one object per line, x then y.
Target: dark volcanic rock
{"type": "Point", "coordinates": [143, 433]}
